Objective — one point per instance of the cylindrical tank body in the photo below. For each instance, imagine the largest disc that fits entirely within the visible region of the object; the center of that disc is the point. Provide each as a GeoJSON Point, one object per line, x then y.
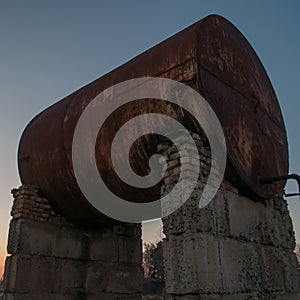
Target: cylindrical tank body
{"type": "Point", "coordinates": [213, 58]}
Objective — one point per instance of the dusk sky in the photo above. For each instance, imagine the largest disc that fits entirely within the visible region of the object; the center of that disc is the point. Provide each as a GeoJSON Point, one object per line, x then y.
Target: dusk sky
{"type": "Point", "coordinates": [51, 48]}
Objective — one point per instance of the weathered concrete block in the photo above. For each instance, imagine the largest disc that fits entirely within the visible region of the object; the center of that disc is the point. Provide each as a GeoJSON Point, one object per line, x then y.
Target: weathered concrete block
{"type": "Point", "coordinates": [279, 229]}
{"type": "Point", "coordinates": [289, 296]}
{"type": "Point", "coordinates": [71, 242]}
{"type": "Point", "coordinates": [240, 296]}
{"type": "Point", "coordinates": [129, 230]}
{"type": "Point", "coordinates": [291, 272]}
{"type": "Point", "coordinates": [31, 237]}
{"type": "Point", "coordinates": [31, 296]}
{"type": "Point", "coordinates": [279, 271]}
{"type": "Point", "coordinates": [246, 218]}
{"type": "Point", "coordinates": [41, 238]}
{"type": "Point", "coordinates": [192, 264]}
{"type": "Point", "coordinates": [70, 297]}
{"type": "Point", "coordinates": [240, 266]}
{"type": "Point", "coordinates": [273, 269]}
{"type": "Point", "coordinates": [114, 248]}
{"type": "Point", "coordinates": [107, 296]}
{"type": "Point", "coordinates": [69, 276]}
{"type": "Point", "coordinates": [259, 222]}
{"type": "Point", "coordinates": [243, 296]}
{"type": "Point", "coordinates": [44, 296]}
{"type": "Point", "coordinates": [26, 273]}
{"type": "Point", "coordinates": [193, 297]}
{"type": "Point", "coordinates": [211, 219]}
{"type": "Point", "coordinates": [113, 278]}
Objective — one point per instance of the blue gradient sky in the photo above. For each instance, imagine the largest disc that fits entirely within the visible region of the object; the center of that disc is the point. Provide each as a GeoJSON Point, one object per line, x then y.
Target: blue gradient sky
{"type": "Point", "coordinates": [51, 48]}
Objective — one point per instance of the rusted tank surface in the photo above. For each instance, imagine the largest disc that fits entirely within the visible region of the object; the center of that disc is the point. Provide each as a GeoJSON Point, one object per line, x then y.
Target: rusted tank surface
{"type": "Point", "coordinates": [213, 58]}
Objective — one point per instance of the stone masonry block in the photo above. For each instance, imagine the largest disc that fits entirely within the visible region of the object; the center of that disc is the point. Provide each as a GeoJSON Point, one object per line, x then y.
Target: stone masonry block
{"type": "Point", "coordinates": [259, 222]}
{"type": "Point", "coordinates": [69, 276]}
{"type": "Point", "coordinates": [45, 296]}
{"type": "Point", "coordinates": [240, 266]}
{"type": "Point", "coordinates": [246, 218]}
{"type": "Point", "coordinates": [129, 230]}
{"type": "Point", "coordinates": [286, 296]}
{"type": "Point", "coordinates": [106, 296]}
{"type": "Point", "coordinates": [192, 264]}
{"type": "Point", "coordinates": [279, 270]}
{"type": "Point", "coordinates": [113, 248]}
{"type": "Point", "coordinates": [279, 229]}
{"type": "Point", "coordinates": [211, 219]}
{"type": "Point", "coordinates": [26, 273]}
{"type": "Point", "coordinates": [31, 237]}
{"type": "Point", "coordinates": [41, 238]}
{"type": "Point", "coordinates": [243, 296]}
{"type": "Point", "coordinates": [291, 272]}
{"type": "Point", "coordinates": [114, 278]}
{"type": "Point", "coordinates": [71, 242]}
{"type": "Point", "coordinates": [31, 296]}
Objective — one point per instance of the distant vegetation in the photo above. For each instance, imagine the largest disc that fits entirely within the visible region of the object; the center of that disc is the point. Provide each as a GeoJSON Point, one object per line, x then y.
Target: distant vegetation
{"type": "Point", "coordinates": [153, 262]}
{"type": "Point", "coordinates": [297, 251]}
{"type": "Point", "coordinates": [1, 287]}
{"type": "Point", "coordinates": [154, 283]}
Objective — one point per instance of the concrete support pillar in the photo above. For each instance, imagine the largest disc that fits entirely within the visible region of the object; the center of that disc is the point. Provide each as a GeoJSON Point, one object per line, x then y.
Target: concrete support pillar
{"type": "Point", "coordinates": [51, 258]}
{"type": "Point", "coordinates": [234, 248]}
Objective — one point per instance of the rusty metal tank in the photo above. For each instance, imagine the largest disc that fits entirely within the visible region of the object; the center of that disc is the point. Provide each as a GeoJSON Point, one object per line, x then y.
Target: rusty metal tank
{"type": "Point", "coordinates": [212, 57]}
